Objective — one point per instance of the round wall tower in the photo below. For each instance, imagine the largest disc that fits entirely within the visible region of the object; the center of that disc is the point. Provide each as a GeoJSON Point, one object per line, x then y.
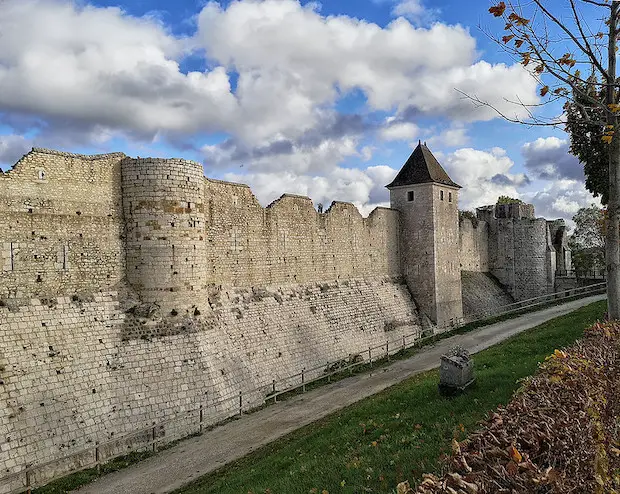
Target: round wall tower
{"type": "Point", "coordinates": [164, 216]}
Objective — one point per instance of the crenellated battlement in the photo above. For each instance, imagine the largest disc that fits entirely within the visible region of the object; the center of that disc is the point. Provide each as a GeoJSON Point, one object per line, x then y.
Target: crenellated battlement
{"type": "Point", "coordinates": [163, 228]}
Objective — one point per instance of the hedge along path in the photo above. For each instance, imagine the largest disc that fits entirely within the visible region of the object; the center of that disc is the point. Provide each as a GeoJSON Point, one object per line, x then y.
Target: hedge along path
{"type": "Point", "coordinates": [558, 434]}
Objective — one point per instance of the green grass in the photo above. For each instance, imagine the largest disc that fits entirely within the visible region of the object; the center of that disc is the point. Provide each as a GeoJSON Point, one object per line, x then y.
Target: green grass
{"type": "Point", "coordinates": [75, 480]}
{"type": "Point", "coordinates": [395, 435]}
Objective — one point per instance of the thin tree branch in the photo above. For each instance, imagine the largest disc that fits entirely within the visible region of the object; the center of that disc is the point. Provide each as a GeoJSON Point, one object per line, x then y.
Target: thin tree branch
{"type": "Point", "coordinates": [556, 21]}
{"type": "Point", "coordinates": [536, 123]}
{"type": "Point", "coordinates": [597, 3]}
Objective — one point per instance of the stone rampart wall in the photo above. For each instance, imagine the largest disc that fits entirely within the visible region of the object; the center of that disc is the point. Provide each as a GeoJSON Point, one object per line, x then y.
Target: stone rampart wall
{"type": "Point", "coordinates": [61, 225]}
{"type": "Point", "coordinates": [520, 256]}
{"type": "Point", "coordinates": [474, 245]}
{"type": "Point", "coordinates": [84, 223]}
{"type": "Point", "coordinates": [290, 242]}
{"type": "Point", "coordinates": [74, 373]}
{"type": "Point", "coordinates": [163, 201]}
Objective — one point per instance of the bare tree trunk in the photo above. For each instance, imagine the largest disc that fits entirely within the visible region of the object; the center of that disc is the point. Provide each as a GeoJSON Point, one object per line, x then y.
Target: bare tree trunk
{"type": "Point", "coordinates": [612, 245]}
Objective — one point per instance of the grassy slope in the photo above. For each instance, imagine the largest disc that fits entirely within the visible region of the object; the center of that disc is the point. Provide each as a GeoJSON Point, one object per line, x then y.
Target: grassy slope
{"type": "Point", "coordinates": [397, 434]}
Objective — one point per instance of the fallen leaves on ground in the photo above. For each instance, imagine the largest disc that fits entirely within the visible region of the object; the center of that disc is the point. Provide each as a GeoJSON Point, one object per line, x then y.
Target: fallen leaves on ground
{"type": "Point", "coordinates": [558, 434]}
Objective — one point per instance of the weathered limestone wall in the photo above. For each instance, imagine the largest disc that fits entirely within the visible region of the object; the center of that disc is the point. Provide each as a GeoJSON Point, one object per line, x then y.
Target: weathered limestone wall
{"type": "Point", "coordinates": [559, 240]}
{"type": "Point", "coordinates": [61, 225]}
{"type": "Point", "coordinates": [188, 234]}
{"type": "Point", "coordinates": [429, 244]}
{"type": "Point", "coordinates": [447, 263]}
{"type": "Point", "coordinates": [482, 294]}
{"type": "Point", "coordinates": [67, 216]}
{"type": "Point", "coordinates": [163, 201]}
{"type": "Point", "coordinates": [417, 238]}
{"type": "Point", "coordinates": [76, 373]}
{"type": "Point", "coordinates": [474, 245]}
{"type": "Point", "coordinates": [519, 256]}
{"type": "Point", "coordinates": [289, 242]}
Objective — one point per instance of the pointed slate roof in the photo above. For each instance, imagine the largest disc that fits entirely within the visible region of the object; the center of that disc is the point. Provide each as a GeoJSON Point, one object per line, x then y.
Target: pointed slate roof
{"type": "Point", "coordinates": [422, 167]}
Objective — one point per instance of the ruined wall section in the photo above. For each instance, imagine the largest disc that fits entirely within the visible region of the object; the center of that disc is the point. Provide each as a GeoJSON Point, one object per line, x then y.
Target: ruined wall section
{"type": "Point", "coordinates": [74, 373]}
{"type": "Point", "coordinates": [61, 230]}
{"type": "Point", "coordinates": [520, 256]}
{"type": "Point", "coordinates": [165, 224]}
{"type": "Point", "coordinates": [290, 242]}
{"type": "Point", "coordinates": [474, 245]}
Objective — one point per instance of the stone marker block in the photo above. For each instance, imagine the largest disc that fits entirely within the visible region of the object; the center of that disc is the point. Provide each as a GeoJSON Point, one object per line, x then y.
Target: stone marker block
{"type": "Point", "coordinates": [456, 371]}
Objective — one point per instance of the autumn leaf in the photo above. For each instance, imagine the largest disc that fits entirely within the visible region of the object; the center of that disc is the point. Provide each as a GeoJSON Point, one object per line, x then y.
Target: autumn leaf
{"type": "Point", "coordinates": [403, 488]}
{"type": "Point", "coordinates": [518, 43]}
{"type": "Point", "coordinates": [559, 354]}
{"type": "Point", "coordinates": [518, 20]}
{"type": "Point", "coordinates": [544, 90]}
{"type": "Point", "coordinates": [607, 139]}
{"type": "Point", "coordinates": [506, 39]}
{"type": "Point", "coordinates": [614, 108]}
{"type": "Point", "coordinates": [567, 60]}
{"type": "Point", "coordinates": [526, 58]}
{"type": "Point", "coordinates": [456, 447]}
{"type": "Point", "coordinates": [514, 454]}
{"type": "Point", "coordinates": [498, 10]}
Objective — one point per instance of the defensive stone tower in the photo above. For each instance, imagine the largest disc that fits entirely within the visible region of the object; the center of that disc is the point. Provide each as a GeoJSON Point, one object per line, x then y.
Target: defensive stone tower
{"type": "Point", "coordinates": [164, 214]}
{"type": "Point", "coordinates": [427, 199]}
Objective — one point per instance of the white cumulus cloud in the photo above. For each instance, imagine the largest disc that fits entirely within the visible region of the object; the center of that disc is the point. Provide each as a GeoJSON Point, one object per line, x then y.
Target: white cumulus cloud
{"type": "Point", "coordinates": [484, 176]}
{"type": "Point", "coordinates": [364, 188]}
{"type": "Point", "coordinates": [401, 131]}
{"type": "Point", "coordinates": [12, 148]}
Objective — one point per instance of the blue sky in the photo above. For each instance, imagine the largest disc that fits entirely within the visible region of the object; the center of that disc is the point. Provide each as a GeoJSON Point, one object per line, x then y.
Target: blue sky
{"type": "Point", "coordinates": [322, 99]}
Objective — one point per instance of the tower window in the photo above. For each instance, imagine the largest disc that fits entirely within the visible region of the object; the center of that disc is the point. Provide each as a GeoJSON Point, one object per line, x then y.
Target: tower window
{"type": "Point", "coordinates": [410, 196]}
{"type": "Point", "coordinates": [449, 196]}
{"type": "Point", "coordinates": [441, 195]}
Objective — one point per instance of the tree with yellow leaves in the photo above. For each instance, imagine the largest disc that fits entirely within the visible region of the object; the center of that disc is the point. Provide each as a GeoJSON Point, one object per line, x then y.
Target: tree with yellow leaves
{"type": "Point", "coordinates": [557, 47]}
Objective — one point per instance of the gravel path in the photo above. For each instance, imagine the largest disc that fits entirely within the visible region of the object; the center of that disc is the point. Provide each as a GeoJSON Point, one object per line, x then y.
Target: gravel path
{"type": "Point", "coordinates": [175, 467]}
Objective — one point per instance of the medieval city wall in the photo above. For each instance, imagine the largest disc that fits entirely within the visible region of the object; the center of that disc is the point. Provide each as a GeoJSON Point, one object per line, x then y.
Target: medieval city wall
{"type": "Point", "coordinates": [417, 239]}
{"type": "Point", "coordinates": [447, 265]}
{"type": "Point", "coordinates": [77, 373]}
{"type": "Point", "coordinates": [290, 242]}
{"type": "Point", "coordinates": [186, 233]}
{"type": "Point", "coordinates": [224, 296]}
{"type": "Point", "coordinates": [520, 256]}
{"type": "Point", "coordinates": [61, 226]}
{"type": "Point", "coordinates": [218, 294]}
{"type": "Point", "coordinates": [474, 245]}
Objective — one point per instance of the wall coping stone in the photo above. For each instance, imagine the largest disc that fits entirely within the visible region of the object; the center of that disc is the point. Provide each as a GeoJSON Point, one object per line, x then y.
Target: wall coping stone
{"type": "Point", "coordinates": [76, 155]}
